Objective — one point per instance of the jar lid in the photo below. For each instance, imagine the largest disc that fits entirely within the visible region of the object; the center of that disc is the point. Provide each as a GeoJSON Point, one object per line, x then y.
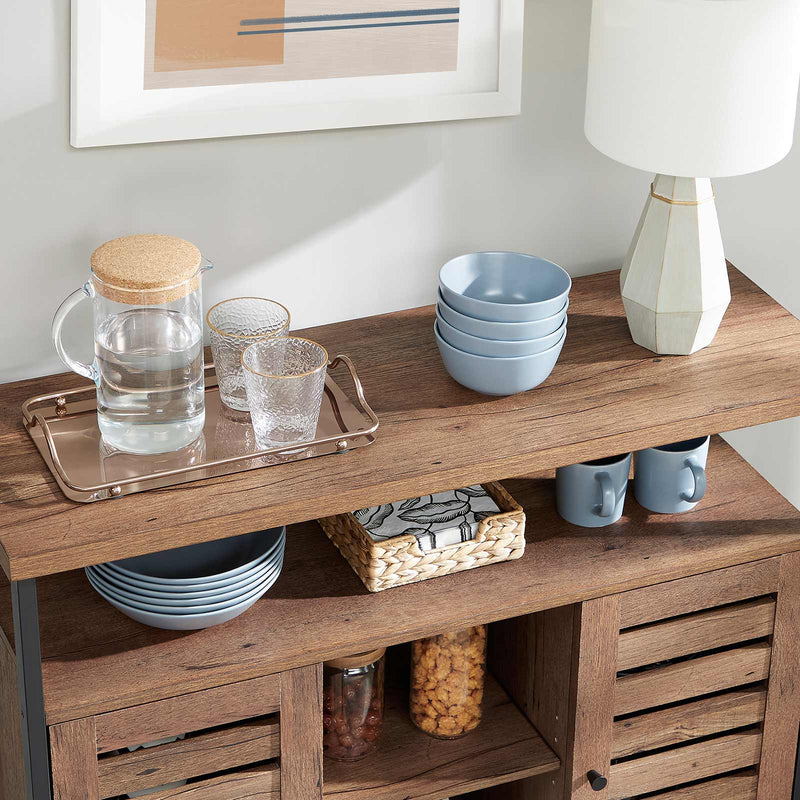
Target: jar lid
{"type": "Point", "coordinates": [357, 660]}
{"type": "Point", "coordinates": [146, 263]}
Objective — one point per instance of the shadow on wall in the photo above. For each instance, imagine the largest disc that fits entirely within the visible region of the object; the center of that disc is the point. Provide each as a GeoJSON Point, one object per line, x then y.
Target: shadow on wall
{"type": "Point", "coordinates": [244, 200]}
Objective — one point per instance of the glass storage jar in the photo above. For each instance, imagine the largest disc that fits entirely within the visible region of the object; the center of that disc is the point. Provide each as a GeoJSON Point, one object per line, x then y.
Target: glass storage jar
{"type": "Point", "coordinates": [353, 705]}
{"type": "Point", "coordinates": [447, 680]}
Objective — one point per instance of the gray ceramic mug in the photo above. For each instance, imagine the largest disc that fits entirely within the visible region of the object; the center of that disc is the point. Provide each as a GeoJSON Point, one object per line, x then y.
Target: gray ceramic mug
{"type": "Point", "coordinates": [592, 494]}
{"type": "Point", "coordinates": [672, 478]}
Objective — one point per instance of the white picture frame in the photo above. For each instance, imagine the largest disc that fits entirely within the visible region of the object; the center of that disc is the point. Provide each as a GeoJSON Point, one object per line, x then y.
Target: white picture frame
{"type": "Point", "coordinates": [110, 106]}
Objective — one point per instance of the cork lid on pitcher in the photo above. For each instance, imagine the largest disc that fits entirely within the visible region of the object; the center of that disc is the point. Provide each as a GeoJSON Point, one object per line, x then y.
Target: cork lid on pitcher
{"type": "Point", "coordinates": [146, 269]}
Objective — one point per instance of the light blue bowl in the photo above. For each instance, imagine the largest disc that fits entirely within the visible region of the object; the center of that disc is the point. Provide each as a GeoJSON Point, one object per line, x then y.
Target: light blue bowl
{"type": "Point", "coordinates": [501, 331]}
{"type": "Point", "coordinates": [495, 348]}
{"type": "Point", "coordinates": [498, 376]}
{"type": "Point", "coordinates": [504, 287]}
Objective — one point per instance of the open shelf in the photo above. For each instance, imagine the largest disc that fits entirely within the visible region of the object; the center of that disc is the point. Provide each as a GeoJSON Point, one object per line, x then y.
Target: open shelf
{"type": "Point", "coordinates": [97, 660]}
{"type": "Point", "coordinates": [606, 395]}
{"type": "Point", "coordinates": [409, 764]}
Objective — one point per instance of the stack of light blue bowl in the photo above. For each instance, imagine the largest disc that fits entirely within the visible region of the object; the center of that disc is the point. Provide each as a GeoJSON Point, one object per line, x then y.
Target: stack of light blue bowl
{"type": "Point", "coordinates": [501, 320]}
{"type": "Point", "coordinates": [193, 587]}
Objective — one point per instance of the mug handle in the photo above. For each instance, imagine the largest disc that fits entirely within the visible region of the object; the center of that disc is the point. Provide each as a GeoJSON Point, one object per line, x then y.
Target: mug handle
{"type": "Point", "coordinates": [609, 495]}
{"type": "Point", "coordinates": [699, 474]}
{"type": "Point", "coordinates": [86, 370]}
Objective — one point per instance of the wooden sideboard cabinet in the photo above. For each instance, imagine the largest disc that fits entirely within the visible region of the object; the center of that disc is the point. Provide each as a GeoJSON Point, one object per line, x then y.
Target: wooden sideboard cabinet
{"type": "Point", "coordinates": [654, 659]}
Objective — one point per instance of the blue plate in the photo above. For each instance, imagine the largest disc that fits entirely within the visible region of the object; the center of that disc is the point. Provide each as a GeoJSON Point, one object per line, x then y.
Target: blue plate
{"type": "Point", "coordinates": [206, 563]}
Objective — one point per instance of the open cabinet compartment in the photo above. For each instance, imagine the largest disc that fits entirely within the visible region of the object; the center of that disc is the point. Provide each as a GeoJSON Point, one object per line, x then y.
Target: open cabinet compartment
{"type": "Point", "coordinates": [410, 764]}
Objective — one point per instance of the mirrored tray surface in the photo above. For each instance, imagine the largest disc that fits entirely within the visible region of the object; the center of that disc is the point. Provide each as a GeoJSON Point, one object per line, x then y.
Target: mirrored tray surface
{"type": "Point", "coordinates": [64, 428]}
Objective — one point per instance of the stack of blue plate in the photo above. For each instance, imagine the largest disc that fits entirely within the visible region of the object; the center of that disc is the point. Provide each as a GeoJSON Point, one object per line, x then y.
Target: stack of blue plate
{"type": "Point", "coordinates": [193, 587]}
{"type": "Point", "coordinates": [501, 320]}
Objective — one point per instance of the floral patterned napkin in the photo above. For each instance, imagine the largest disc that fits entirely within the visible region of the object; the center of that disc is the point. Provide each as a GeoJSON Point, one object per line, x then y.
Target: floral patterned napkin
{"type": "Point", "coordinates": [437, 520]}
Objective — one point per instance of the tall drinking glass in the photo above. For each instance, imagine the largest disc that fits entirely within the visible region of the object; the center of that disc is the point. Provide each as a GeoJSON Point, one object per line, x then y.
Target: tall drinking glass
{"type": "Point", "coordinates": [285, 379]}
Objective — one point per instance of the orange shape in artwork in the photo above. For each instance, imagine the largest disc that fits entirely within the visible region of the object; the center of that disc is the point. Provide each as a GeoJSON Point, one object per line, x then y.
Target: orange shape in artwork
{"type": "Point", "coordinates": [203, 34]}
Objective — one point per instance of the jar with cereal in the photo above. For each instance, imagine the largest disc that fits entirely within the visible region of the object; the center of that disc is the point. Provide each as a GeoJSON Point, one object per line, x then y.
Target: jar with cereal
{"type": "Point", "coordinates": [447, 678]}
{"type": "Point", "coordinates": [353, 705]}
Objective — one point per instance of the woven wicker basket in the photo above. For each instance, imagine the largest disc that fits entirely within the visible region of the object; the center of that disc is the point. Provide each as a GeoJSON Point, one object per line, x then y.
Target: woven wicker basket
{"type": "Point", "coordinates": [398, 561]}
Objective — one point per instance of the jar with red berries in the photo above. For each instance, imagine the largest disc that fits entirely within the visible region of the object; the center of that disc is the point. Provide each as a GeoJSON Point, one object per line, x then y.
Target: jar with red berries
{"type": "Point", "coordinates": [353, 705]}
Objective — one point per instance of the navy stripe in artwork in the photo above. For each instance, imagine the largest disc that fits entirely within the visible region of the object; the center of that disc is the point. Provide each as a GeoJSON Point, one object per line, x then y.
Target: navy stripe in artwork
{"type": "Point", "coordinates": [350, 27]}
{"type": "Point", "coordinates": [422, 12]}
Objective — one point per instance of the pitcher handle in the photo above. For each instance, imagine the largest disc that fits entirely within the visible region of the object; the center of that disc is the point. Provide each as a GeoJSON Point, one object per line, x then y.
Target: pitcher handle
{"type": "Point", "coordinates": [87, 370]}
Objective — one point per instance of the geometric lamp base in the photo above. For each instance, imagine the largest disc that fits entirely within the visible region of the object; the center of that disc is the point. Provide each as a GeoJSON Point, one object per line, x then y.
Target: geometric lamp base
{"type": "Point", "coordinates": [677, 333]}
{"type": "Point", "coordinates": [674, 281]}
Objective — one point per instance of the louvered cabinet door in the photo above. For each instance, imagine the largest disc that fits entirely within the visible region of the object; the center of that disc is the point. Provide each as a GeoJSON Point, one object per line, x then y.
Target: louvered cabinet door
{"type": "Point", "coordinates": [260, 739]}
{"type": "Point", "coordinates": [690, 689]}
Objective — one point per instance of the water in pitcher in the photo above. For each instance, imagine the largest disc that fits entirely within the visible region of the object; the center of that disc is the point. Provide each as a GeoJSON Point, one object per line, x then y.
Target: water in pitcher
{"type": "Point", "coordinates": [150, 397]}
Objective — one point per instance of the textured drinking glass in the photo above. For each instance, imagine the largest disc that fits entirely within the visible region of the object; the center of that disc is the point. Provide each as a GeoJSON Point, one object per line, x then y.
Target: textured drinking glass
{"type": "Point", "coordinates": [234, 325]}
{"type": "Point", "coordinates": [285, 379]}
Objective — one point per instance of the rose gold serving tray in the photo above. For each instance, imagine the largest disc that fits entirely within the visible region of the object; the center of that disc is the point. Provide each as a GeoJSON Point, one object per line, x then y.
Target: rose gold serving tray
{"type": "Point", "coordinates": [64, 429]}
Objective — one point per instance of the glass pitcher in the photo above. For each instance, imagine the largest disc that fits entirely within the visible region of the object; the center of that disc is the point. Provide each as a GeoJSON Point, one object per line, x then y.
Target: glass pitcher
{"type": "Point", "coordinates": [148, 342]}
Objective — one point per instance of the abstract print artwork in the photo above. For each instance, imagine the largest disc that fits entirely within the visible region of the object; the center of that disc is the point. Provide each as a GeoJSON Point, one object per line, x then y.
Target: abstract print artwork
{"type": "Point", "coordinates": [162, 70]}
{"type": "Point", "coordinates": [207, 42]}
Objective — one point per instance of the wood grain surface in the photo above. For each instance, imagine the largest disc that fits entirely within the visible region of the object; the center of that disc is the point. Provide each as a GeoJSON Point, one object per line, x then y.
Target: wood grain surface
{"type": "Point", "coordinates": [319, 609]}
{"type": "Point", "coordinates": [684, 764]}
{"type": "Point", "coordinates": [694, 720]}
{"type": "Point", "coordinates": [12, 777]}
{"type": "Point", "coordinates": [782, 719]}
{"type": "Point", "coordinates": [692, 678]}
{"type": "Point", "coordinates": [195, 711]}
{"type": "Point", "coordinates": [552, 689]}
{"type": "Point", "coordinates": [205, 754]}
{"type": "Point", "coordinates": [253, 783]}
{"type": "Point", "coordinates": [409, 765]}
{"type": "Point", "coordinates": [594, 671]}
{"type": "Point", "coordinates": [606, 395]}
{"type": "Point", "coordinates": [73, 761]}
{"type": "Point", "coordinates": [301, 733]}
{"type": "Point", "coordinates": [698, 592]}
{"type": "Point", "coordinates": [740, 786]}
{"type": "Point", "coordinates": [531, 657]}
{"type": "Point", "coordinates": [695, 633]}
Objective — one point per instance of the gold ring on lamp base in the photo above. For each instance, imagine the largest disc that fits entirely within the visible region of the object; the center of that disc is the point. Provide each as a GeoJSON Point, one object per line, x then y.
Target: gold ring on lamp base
{"type": "Point", "coordinates": [680, 202]}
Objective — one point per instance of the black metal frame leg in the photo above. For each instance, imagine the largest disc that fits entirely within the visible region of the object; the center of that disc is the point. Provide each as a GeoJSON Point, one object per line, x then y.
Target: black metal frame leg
{"type": "Point", "coordinates": [35, 748]}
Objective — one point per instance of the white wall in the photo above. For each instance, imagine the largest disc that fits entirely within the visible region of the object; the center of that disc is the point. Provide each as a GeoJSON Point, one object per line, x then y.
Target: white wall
{"type": "Point", "coordinates": [339, 224]}
{"type": "Point", "coordinates": [760, 217]}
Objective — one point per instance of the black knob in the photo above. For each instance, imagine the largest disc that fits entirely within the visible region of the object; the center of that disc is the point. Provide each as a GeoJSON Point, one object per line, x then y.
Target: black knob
{"type": "Point", "coordinates": [597, 781]}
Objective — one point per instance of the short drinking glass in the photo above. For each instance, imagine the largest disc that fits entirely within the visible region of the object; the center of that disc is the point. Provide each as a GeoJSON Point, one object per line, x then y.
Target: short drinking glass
{"type": "Point", "coordinates": [234, 324]}
{"type": "Point", "coordinates": [285, 379]}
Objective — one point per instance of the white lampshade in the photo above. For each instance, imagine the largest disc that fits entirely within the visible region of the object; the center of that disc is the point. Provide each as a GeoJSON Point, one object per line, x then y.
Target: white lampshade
{"type": "Point", "coordinates": [694, 87]}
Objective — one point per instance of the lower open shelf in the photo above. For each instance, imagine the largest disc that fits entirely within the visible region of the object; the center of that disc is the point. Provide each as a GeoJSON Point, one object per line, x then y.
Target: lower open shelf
{"type": "Point", "coordinates": [410, 765]}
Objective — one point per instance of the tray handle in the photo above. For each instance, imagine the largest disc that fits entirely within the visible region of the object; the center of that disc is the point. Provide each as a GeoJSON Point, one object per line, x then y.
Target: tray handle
{"type": "Point", "coordinates": [357, 385]}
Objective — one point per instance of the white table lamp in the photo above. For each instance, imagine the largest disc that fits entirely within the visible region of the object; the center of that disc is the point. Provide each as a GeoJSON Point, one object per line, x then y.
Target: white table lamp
{"type": "Point", "coordinates": [688, 89]}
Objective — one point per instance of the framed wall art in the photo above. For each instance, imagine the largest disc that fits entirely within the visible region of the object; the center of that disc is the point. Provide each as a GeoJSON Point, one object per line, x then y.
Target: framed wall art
{"type": "Point", "coordinates": [158, 70]}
